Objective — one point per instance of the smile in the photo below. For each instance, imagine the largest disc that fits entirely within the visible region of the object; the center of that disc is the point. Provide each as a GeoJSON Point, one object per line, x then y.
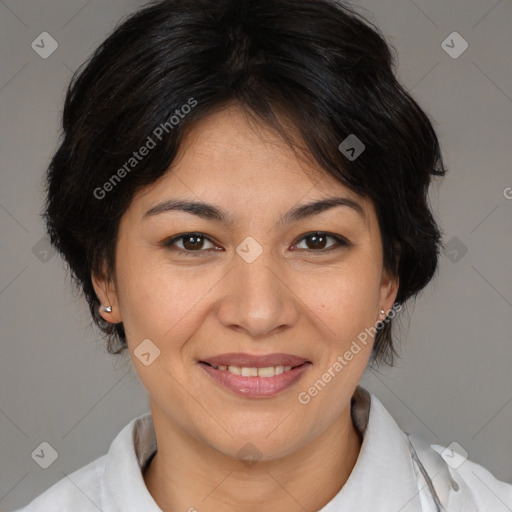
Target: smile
{"type": "Point", "coordinates": [255, 376]}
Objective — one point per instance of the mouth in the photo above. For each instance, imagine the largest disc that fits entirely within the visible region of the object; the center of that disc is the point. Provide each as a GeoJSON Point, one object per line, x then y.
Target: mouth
{"type": "Point", "coordinates": [255, 376]}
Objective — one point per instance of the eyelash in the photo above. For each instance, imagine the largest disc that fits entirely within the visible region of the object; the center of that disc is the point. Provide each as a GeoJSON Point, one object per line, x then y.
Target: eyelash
{"type": "Point", "coordinates": [340, 242]}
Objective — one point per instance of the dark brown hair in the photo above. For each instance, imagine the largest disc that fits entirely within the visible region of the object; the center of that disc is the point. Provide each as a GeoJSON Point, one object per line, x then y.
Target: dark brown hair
{"type": "Point", "coordinates": [329, 70]}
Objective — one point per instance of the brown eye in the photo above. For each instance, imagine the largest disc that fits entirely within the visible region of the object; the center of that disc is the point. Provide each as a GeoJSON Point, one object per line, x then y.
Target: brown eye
{"type": "Point", "coordinates": [318, 241]}
{"type": "Point", "coordinates": [192, 242]}
{"type": "Point", "coordinates": [189, 242]}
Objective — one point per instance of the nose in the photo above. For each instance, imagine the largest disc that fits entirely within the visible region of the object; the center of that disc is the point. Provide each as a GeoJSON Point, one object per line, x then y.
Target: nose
{"type": "Point", "coordinates": [257, 298]}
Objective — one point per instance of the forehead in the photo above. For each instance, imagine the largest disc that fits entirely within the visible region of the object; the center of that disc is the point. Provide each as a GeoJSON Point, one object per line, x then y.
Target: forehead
{"type": "Point", "coordinates": [234, 139]}
{"type": "Point", "coordinates": [230, 156]}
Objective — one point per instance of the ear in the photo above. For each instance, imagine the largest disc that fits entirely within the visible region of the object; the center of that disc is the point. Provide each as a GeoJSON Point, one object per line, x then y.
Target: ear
{"type": "Point", "coordinates": [388, 292]}
{"type": "Point", "coordinates": [106, 292]}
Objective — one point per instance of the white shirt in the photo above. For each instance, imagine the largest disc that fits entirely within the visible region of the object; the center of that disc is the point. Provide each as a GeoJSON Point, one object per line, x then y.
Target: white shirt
{"type": "Point", "coordinates": [385, 478]}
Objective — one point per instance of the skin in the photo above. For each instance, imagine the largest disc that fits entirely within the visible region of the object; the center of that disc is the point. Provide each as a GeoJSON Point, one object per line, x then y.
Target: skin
{"type": "Point", "coordinates": [293, 299]}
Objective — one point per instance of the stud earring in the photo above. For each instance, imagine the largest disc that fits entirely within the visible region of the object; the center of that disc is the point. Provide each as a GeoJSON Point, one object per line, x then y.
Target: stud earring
{"type": "Point", "coordinates": [382, 312]}
{"type": "Point", "coordinates": [107, 309]}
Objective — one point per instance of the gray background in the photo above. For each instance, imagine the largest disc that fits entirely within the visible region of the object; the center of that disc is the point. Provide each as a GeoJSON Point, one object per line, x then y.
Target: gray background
{"type": "Point", "coordinates": [57, 382]}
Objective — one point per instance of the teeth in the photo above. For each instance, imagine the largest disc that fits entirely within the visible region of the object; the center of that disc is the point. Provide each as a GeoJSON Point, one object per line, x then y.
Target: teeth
{"type": "Point", "coordinates": [235, 370]}
{"type": "Point", "coordinates": [269, 371]}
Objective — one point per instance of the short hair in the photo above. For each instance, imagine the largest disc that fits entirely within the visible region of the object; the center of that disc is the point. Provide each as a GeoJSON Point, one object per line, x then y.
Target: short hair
{"type": "Point", "coordinates": [316, 63]}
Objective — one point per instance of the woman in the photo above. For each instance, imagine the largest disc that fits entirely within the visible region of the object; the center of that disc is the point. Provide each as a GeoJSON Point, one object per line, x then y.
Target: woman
{"type": "Point", "coordinates": [241, 195]}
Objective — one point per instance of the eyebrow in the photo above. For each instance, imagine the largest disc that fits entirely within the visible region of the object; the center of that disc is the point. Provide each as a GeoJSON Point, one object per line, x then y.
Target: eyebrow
{"type": "Point", "coordinates": [213, 213]}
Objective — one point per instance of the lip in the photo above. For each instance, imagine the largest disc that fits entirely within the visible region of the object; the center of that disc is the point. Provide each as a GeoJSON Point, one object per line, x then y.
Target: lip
{"type": "Point", "coordinates": [255, 361]}
{"type": "Point", "coordinates": [255, 387]}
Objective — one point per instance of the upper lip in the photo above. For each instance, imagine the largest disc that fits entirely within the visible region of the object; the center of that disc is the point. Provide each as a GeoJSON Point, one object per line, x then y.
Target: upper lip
{"type": "Point", "coordinates": [254, 361]}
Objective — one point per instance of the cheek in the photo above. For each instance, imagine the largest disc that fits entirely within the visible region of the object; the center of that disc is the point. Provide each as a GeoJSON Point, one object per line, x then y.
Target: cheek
{"type": "Point", "coordinates": [158, 301]}
{"type": "Point", "coordinates": [346, 298]}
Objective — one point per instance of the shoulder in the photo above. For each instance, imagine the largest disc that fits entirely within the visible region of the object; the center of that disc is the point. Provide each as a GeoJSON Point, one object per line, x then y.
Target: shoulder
{"type": "Point", "coordinates": [79, 491]}
{"type": "Point", "coordinates": [479, 484]}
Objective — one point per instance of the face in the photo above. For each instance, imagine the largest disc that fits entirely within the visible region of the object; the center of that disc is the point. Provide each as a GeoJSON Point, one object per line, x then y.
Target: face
{"type": "Point", "coordinates": [249, 279]}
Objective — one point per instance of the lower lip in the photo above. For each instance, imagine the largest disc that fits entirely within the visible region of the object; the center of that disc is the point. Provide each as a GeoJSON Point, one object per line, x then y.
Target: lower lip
{"type": "Point", "coordinates": [256, 387]}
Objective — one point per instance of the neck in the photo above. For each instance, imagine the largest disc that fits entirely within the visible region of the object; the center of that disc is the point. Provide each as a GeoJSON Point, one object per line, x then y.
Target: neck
{"type": "Point", "coordinates": [185, 474]}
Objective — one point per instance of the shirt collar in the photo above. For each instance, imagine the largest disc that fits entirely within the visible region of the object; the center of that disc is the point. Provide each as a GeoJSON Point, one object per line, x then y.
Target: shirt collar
{"type": "Point", "coordinates": [382, 477]}
{"type": "Point", "coordinates": [123, 488]}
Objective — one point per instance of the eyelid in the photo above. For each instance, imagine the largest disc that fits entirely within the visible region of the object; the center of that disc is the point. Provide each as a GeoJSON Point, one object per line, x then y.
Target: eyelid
{"type": "Point", "coordinates": [340, 241]}
{"type": "Point", "coordinates": [169, 242]}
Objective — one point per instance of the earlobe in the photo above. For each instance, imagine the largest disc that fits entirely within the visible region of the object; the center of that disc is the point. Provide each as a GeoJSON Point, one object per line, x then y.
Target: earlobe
{"type": "Point", "coordinates": [107, 295]}
{"type": "Point", "coordinates": [388, 293]}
